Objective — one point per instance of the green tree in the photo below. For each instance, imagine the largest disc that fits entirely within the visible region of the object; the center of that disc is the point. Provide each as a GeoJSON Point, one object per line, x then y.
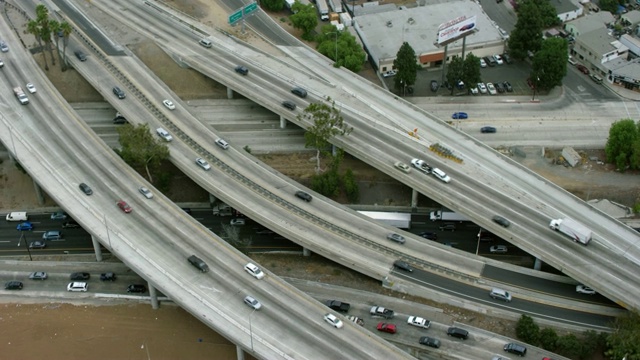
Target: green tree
{"type": "Point", "coordinates": [569, 346]}
{"type": "Point", "coordinates": [406, 65]}
{"type": "Point", "coordinates": [548, 339]}
{"type": "Point", "coordinates": [34, 28]}
{"type": "Point", "coordinates": [454, 72]}
{"type": "Point", "coordinates": [608, 5]}
{"type": "Point", "coordinates": [471, 70]}
{"type": "Point", "coordinates": [66, 32]}
{"type": "Point", "coordinates": [527, 34]}
{"type": "Point", "coordinates": [548, 13]}
{"type": "Point", "coordinates": [326, 122]}
{"type": "Point", "coordinates": [623, 341]}
{"type": "Point", "coordinates": [141, 149]}
{"type": "Point", "coordinates": [592, 343]}
{"type": "Point", "coordinates": [351, 186]}
{"type": "Point", "coordinates": [527, 330]}
{"type": "Point", "coordinates": [622, 145]}
{"type": "Point", "coordinates": [305, 19]}
{"type": "Point", "coordinates": [273, 5]}
{"type": "Point", "coordinates": [549, 65]}
{"type": "Point", "coordinates": [341, 47]}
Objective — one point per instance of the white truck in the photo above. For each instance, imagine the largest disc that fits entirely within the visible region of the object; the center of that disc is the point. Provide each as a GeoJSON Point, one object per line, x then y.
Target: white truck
{"type": "Point", "coordinates": [447, 216]}
{"type": "Point", "coordinates": [573, 229]}
{"type": "Point", "coordinates": [222, 209]}
{"type": "Point", "coordinates": [17, 216]}
{"type": "Point", "coordinates": [22, 97]}
{"type": "Point", "coordinates": [323, 9]}
{"type": "Point", "coordinates": [399, 220]}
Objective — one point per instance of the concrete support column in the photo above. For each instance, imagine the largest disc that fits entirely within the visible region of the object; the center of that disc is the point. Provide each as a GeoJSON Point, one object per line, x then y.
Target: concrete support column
{"type": "Point", "coordinates": [334, 150]}
{"type": "Point", "coordinates": [39, 193]}
{"type": "Point", "coordinates": [229, 93]}
{"type": "Point", "coordinates": [11, 157]}
{"type": "Point", "coordinates": [306, 252]}
{"type": "Point", "coordinates": [212, 199]}
{"type": "Point", "coordinates": [537, 264]}
{"type": "Point", "coordinates": [283, 122]}
{"type": "Point", "coordinates": [96, 248]}
{"type": "Point", "coordinates": [239, 352]}
{"type": "Point", "coordinates": [153, 295]}
{"type": "Point", "coordinates": [414, 198]}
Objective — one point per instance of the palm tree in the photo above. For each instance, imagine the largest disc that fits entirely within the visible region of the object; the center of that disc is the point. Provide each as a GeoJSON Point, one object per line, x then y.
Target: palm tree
{"type": "Point", "coordinates": [42, 17]}
{"type": "Point", "coordinates": [54, 25]}
{"type": "Point", "coordinates": [34, 28]}
{"type": "Point", "coordinates": [66, 32]}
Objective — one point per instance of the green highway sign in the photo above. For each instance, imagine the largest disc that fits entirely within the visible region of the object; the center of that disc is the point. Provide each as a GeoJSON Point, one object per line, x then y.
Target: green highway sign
{"type": "Point", "coordinates": [235, 17]}
{"type": "Point", "coordinates": [250, 8]}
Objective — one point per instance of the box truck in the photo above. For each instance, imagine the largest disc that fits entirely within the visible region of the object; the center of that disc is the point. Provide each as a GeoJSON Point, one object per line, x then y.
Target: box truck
{"type": "Point", "coordinates": [573, 229]}
{"type": "Point", "coordinates": [447, 216]}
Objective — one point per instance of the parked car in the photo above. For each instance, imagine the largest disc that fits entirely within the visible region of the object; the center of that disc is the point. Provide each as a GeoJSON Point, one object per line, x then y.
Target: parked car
{"type": "Point", "coordinates": [145, 192]}
{"type": "Point", "coordinates": [389, 73]}
{"type": "Point", "coordinates": [482, 87]}
{"type": "Point", "coordinates": [386, 327]}
{"type": "Point", "coordinates": [429, 341]}
{"type": "Point", "coordinates": [13, 285]}
{"type": "Point", "coordinates": [487, 129]}
{"type": "Point", "coordinates": [37, 245]}
{"type": "Point", "coordinates": [583, 69]}
{"type": "Point", "coordinates": [38, 275]}
{"type": "Point", "coordinates": [483, 64]}
{"type": "Point", "coordinates": [254, 271]}
{"type": "Point", "coordinates": [78, 286]}
{"type": "Point", "coordinates": [252, 303]}
{"type": "Point", "coordinates": [203, 164]}
{"type": "Point", "coordinates": [498, 59]}
{"type": "Point", "coordinates": [80, 276]}
{"type": "Point", "coordinates": [459, 115]}
{"type": "Point", "coordinates": [418, 322]}
{"type": "Point", "coordinates": [498, 249]}
{"type": "Point", "coordinates": [58, 216]}
{"type": "Point", "coordinates": [473, 90]}
{"type": "Point", "coordinates": [491, 89]}
{"type": "Point", "coordinates": [402, 167]}
{"type": "Point", "coordinates": [499, 87]}
{"type": "Point", "coordinates": [507, 58]}
{"type": "Point", "coordinates": [507, 86]}
{"type": "Point", "coordinates": [584, 289]}
{"type": "Point", "coordinates": [25, 226]}
{"type": "Point", "coordinates": [333, 321]}
{"type": "Point", "coordinates": [304, 196]}
{"type": "Point", "coordinates": [85, 189]}
{"type": "Point", "coordinates": [402, 265]}
{"type": "Point", "coordinates": [168, 104]}
{"type": "Point", "coordinates": [501, 221]}
{"type": "Point", "coordinates": [124, 206]}
{"type": "Point", "coordinates": [136, 288]}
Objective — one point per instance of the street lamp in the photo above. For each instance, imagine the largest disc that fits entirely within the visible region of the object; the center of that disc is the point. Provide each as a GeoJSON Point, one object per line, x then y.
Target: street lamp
{"type": "Point", "coordinates": [535, 85]}
{"type": "Point", "coordinates": [336, 34]}
{"type": "Point", "coordinates": [250, 329]}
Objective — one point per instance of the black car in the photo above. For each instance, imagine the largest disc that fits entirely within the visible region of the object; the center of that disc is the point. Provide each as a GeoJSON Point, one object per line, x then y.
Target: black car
{"type": "Point", "coordinates": [429, 235]}
{"type": "Point", "coordinates": [119, 119]}
{"type": "Point", "coordinates": [108, 276]}
{"type": "Point", "coordinates": [119, 93]}
{"type": "Point", "coordinates": [80, 55]}
{"type": "Point", "coordinates": [507, 58]}
{"type": "Point", "coordinates": [299, 91]}
{"type": "Point", "coordinates": [71, 224]}
{"type": "Point", "coordinates": [507, 86]}
{"type": "Point", "coordinates": [304, 196]}
{"type": "Point", "coordinates": [487, 129]}
{"type": "Point", "coordinates": [448, 227]}
{"type": "Point", "coordinates": [242, 70]}
{"type": "Point", "coordinates": [289, 104]}
{"type": "Point", "coordinates": [85, 189]}
{"type": "Point", "coordinates": [136, 288]}
{"type": "Point", "coordinates": [402, 265]}
{"type": "Point", "coordinates": [434, 85]}
{"type": "Point", "coordinates": [80, 276]}
{"type": "Point", "coordinates": [499, 87]}
{"type": "Point", "coordinates": [458, 333]}
{"type": "Point", "coordinates": [429, 341]}
{"type": "Point", "coordinates": [13, 285]}
{"type": "Point", "coordinates": [501, 221]}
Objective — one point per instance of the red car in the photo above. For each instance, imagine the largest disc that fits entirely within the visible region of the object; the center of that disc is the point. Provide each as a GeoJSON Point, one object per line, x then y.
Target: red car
{"type": "Point", "coordinates": [583, 69]}
{"type": "Point", "coordinates": [124, 206]}
{"type": "Point", "coordinates": [385, 327]}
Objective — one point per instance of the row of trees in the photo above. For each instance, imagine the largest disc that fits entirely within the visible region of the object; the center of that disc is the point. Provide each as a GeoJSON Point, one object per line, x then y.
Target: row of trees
{"type": "Point", "coordinates": [48, 30]}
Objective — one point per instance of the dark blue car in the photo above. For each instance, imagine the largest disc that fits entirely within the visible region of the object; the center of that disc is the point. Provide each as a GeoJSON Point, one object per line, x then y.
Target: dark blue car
{"type": "Point", "coordinates": [459, 115]}
{"type": "Point", "coordinates": [24, 226]}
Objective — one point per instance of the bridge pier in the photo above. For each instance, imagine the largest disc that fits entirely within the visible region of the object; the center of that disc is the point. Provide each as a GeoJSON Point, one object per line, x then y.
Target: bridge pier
{"type": "Point", "coordinates": [283, 122]}
{"type": "Point", "coordinates": [306, 252]}
{"type": "Point", "coordinates": [96, 248]}
{"type": "Point", "coordinates": [11, 157]}
{"type": "Point", "coordinates": [239, 353]}
{"type": "Point", "coordinates": [414, 199]}
{"type": "Point", "coordinates": [153, 295]}
{"type": "Point", "coordinates": [229, 93]}
{"type": "Point", "coordinates": [39, 193]}
{"type": "Point", "coordinates": [537, 264]}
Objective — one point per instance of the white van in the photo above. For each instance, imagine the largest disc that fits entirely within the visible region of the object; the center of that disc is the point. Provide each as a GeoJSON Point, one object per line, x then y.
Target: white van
{"type": "Point", "coordinates": [17, 216]}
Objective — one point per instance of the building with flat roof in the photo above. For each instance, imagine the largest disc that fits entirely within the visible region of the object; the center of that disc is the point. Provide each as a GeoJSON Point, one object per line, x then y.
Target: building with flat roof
{"type": "Point", "coordinates": [383, 33]}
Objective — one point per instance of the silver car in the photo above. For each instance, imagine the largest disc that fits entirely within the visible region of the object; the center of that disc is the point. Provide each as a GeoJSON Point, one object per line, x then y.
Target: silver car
{"type": "Point", "coordinates": [253, 303]}
{"type": "Point", "coordinates": [203, 164]}
{"type": "Point", "coordinates": [146, 192]}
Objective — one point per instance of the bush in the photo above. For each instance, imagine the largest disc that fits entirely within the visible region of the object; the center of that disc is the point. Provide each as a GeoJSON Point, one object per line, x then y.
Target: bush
{"type": "Point", "coordinates": [548, 339]}
{"type": "Point", "coordinates": [351, 187]}
{"type": "Point", "coordinates": [570, 346]}
{"type": "Point", "coordinates": [327, 184]}
{"type": "Point", "coordinates": [527, 330]}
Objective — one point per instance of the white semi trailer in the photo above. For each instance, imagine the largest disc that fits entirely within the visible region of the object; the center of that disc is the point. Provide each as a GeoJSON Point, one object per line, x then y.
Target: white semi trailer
{"type": "Point", "coordinates": [573, 229]}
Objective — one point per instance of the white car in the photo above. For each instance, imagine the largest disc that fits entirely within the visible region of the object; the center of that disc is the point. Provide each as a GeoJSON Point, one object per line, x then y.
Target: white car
{"type": "Point", "coordinates": [491, 89]}
{"type": "Point", "coordinates": [164, 134]}
{"type": "Point", "coordinates": [254, 271]}
{"type": "Point", "coordinates": [77, 286]}
{"type": "Point", "coordinates": [237, 222]}
{"type": "Point", "coordinates": [419, 322]}
{"type": "Point", "coordinates": [223, 144]}
{"type": "Point", "coordinates": [169, 104]}
{"type": "Point", "coordinates": [473, 90]}
{"type": "Point", "coordinates": [483, 64]}
{"type": "Point", "coordinates": [333, 320]}
{"type": "Point", "coordinates": [402, 167]}
{"type": "Point", "coordinates": [499, 60]}
{"type": "Point", "coordinates": [389, 73]}
{"type": "Point", "coordinates": [146, 192]}
{"type": "Point", "coordinates": [203, 164]}
{"type": "Point", "coordinates": [31, 88]}
{"type": "Point", "coordinates": [584, 289]}
{"type": "Point", "coordinates": [441, 175]}
{"type": "Point", "coordinates": [421, 165]}
{"type": "Point", "coordinates": [253, 303]}
{"type": "Point", "coordinates": [482, 88]}
{"type": "Point", "coordinates": [498, 249]}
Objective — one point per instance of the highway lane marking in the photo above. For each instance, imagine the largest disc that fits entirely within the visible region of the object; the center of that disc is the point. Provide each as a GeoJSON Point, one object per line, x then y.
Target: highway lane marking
{"type": "Point", "coordinates": [210, 288]}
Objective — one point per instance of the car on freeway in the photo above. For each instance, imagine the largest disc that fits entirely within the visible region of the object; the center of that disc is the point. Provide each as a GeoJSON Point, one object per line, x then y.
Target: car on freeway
{"type": "Point", "coordinates": [488, 130]}
{"type": "Point", "coordinates": [203, 164]}
{"type": "Point", "coordinates": [298, 91]}
{"type": "Point", "coordinates": [448, 227]}
{"type": "Point", "coordinates": [381, 311]}
{"type": "Point", "coordinates": [145, 192]}
{"type": "Point", "coordinates": [584, 289]}
{"type": "Point", "coordinates": [429, 235]}
{"type": "Point", "coordinates": [80, 55]}
{"type": "Point", "coordinates": [389, 73]}
{"type": "Point", "coordinates": [498, 59]}
{"type": "Point", "coordinates": [254, 271]}
{"type": "Point", "coordinates": [434, 85]}
{"type": "Point", "coordinates": [4, 47]}
{"type": "Point", "coordinates": [222, 143]}
{"type": "Point", "coordinates": [108, 276]}
{"type": "Point", "coordinates": [491, 89]}
{"type": "Point", "coordinates": [124, 206]}
{"type": "Point", "coordinates": [38, 275]}
{"type": "Point", "coordinates": [13, 285]}
{"type": "Point", "coordinates": [402, 265]}
{"type": "Point", "coordinates": [429, 341]}
{"type": "Point", "coordinates": [402, 167]}
{"type": "Point", "coordinates": [237, 222]}
{"type": "Point", "coordinates": [1, 63]}
{"type": "Point", "coordinates": [418, 322]}
{"type": "Point", "coordinates": [241, 70]}
{"type": "Point", "coordinates": [458, 333]}
{"type": "Point", "coordinates": [498, 357]}
{"type": "Point", "coordinates": [501, 221]}
{"type": "Point", "coordinates": [59, 216]}
{"type": "Point", "coordinates": [441, 175]}
{"type": "Point", "coordinates": [168, 104]}
{"type": "Point", "coordinates": [304, 196]}
{"type": "Point", "coordinates": [386, 327]}
{"type": "Point", "coordinates": [80, 276]}
{"type": "Point", "coordinates": [25, 226]}
{"type": "Point", "coordinates": [136, 288]}
{"type": "Point", "coordinates": [507, 86]}
{"type": "Point", "coordinates": [71, 224]}
{"type": "Point", "coordinates": [31, 88]}
{"type": "Point", "coordinates": [205, 42]}
{"type": "Point", "coordinates": [252, 303]}
{"type": "Point", "coordinates": [333, 320]}
{"type": "Point", "coordinates": [119, 93]}
{"type": "Point", "coordinates": [289, 105]}
{"type": "Point", "coordinates": [482, 87]}
{"type": "Point", "coordinates": [498, 249]}
{"type": "Point", "coordinates": [164, 134]}
{"type": "Point", "coordinates": [85, 189]}
{"type": "Point", "coordinates": [483, 64]}
{"type": "Point", "coordinates": [396, 238]}
{"type": "Point", "coordinates": [459, 115]}
{"type": "Point", "coordinates": [356, 320]}
{"type": "Point", "coordinates": [583, 69]}
{"type": "Point", "coordinates": [38, 244]}
{"type": "Point", "coordinates": [52, 235]}
{"type": "Point", "coordinates": [421, 165]}
{"type": "Point", "coordinates": [77, 286]}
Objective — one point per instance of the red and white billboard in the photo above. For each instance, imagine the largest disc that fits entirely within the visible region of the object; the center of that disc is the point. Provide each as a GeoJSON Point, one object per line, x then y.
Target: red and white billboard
{"type": "Point", "coordinates": [456, 28]}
